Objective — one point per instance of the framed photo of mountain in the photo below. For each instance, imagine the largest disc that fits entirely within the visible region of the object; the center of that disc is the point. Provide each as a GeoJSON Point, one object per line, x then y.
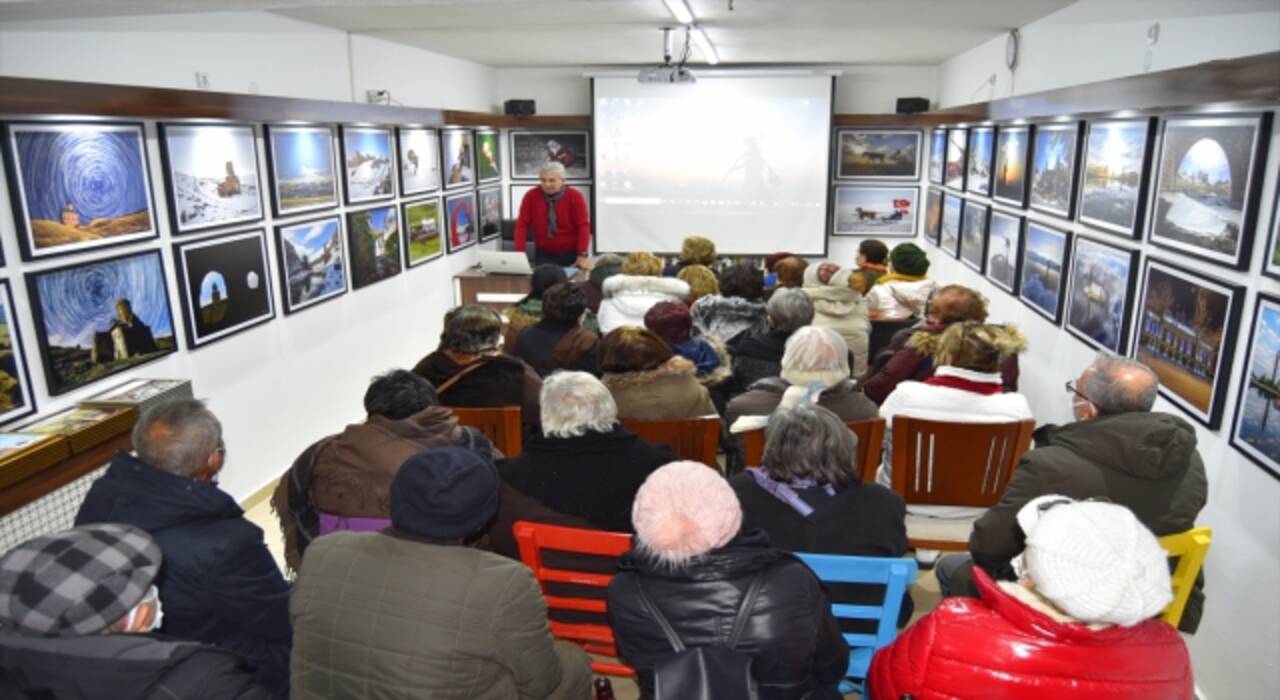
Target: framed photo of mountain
{"type": "Point", "coordinates": [212, 175]}
{"type": "Point", "coordinates": [458, 160]}
{"type": "Point", "coordinates": [16, 398]}
{"type": "Point", "coordinates": [488, 156]}
{"type": "Point", "coordinates": [368, 162]}
{"type": "Point", "coordinates": [1054, 156]}
{"type": "Point", "coordinates": [225, 285]}
{"type": "Point", "coordinates": [419, 160]}
{"type": "Point", "coordinates": [878, 154]}
{"type": "Point", "coordinates": [937, 156]}
{"type": "Point", "coordinates": [1256, 432]}
{"type": "Point", "coordinates": [1117, 157]}
{"type": "Point", "coordinates": [302, 167]}
{"type": "Point", "coordinates": [1009, 183]}
{"type": "Point", "coordinates": [1100, 294]}
{"type": "Point", "coordinates": [1044, 264]}
{"type": "Point", "coordinates": [313, 266]}
{"type": "Point", "coordinates": [423, 231]}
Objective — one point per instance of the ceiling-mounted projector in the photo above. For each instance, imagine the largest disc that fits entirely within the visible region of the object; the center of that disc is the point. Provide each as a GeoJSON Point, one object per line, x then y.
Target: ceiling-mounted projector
{"type": "Point", "coordinates": [666, 74]}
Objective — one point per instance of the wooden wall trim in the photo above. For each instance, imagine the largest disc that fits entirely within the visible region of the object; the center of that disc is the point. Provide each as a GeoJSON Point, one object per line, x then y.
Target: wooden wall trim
{"type": "Point", "coordinates": [504, 121]}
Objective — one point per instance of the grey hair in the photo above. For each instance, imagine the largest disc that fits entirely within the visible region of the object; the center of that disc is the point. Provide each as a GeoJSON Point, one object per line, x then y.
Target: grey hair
{"type": "Point", "coordinates": [1120, 385]}
{"type": "Point", "coordinates": [574, 403]}
{"type": "Point", "coordinates": [810, 442]}
{"type": "Point", "coordinates": [552, 167]}
{"type": "Point", "coordinates": [177, 436]}
{"type": "Point", "coordinates": [790, 309]}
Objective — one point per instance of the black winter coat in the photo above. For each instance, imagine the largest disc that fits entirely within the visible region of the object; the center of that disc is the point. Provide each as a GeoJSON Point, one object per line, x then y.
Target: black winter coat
{"type": "Point", "coordinates": [218, 584]}
{"type": "Point", "coordinates": [791, 635]}
{"type": "Point", "coordinates": [501, 380]}
{"type": "Point", "coordinates": [756, 356]}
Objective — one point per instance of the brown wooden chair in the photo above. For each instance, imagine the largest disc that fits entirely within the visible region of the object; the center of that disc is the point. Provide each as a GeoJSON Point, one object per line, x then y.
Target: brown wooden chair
{"type": "Point", "coordinates": [953, 464]}
{"type": "Point", "coordinates": [500, 424]}
{"type": "Point", "coordinates": [870, 443]}
{"type": "Point", "coordinates": [694, 439]}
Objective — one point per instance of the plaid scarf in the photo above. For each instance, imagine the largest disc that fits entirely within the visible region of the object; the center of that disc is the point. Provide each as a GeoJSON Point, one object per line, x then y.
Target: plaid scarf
{"type": "Point", "coordinates": [552, 224]}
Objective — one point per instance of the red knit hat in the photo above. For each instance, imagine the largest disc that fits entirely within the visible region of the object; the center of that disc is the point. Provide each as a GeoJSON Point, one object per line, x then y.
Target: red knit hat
{"type": "Point", "coordinates": [670, 320]}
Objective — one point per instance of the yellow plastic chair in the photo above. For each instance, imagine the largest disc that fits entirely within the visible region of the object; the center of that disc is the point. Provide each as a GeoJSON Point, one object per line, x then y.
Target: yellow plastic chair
{"type": "Point", "coordinates": [1189, 548]}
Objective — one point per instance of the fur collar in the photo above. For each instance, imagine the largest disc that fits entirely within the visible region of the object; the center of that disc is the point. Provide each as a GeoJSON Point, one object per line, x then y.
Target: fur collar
{"type": "Point", "coordinates": [635, 284]}
{"type": "Point", "coordinates": [1042, 605]}
{"type": "Point", "coordinates": [674, 367]}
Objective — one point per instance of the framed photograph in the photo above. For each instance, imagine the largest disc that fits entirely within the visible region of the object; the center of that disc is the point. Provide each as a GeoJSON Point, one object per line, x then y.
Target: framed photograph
{"type": "Point", "coordinates": [1208, 185]}
{"type": "Point", "coordinates": [1004, 250]}
{"type": "Point", "coordinates": [982, 143]}
{"type": "Point", "coordinates": [78, 186]}
{"type": "Point", "coordinates": [889, 212]}
{"type": "Point", "coordinates": [1257, 427]}
{"type": "Point", "coordinates": [1113, 193]}
{"type": "Point", "coordinates": [302, 168]}
{"type": "Point", "coordinates": [460, 221]}
{"type": "Point", "coordinates": [373, 240]}
{"type": "Point", "coordinates": [973, 235]}
{"type": "Point", "coordinates": [1044, 264]}
{"type": "Point", "coordinates": [16, 398]}
{"type": "Point", "coordinates": [1010, 183]}
{"type": "Point", "coordinates": [949, 238]}
{"type": "Point", "coordinates": [225, 285]}
{"type": "Point", "coordinates": [99, 318]}
{"type": "Point", "coordinates": [457, 157]}
{"type": "Point", "coordinates": [488, 156]}
{"type": "Point", "coordinates": [933, 214]}
{"type": "Point", "coordinates": [1186, 334]}
{"type": "Point", "coordinates": [419, 160]}
{"type": "Point", "coordinates": [367, 162]}
{"type": "Point", "coordinates": [878, 154]}
{"type": "Point", "coordinates": [423, 224]}
{"type": "Point", "coordinates": [1271, 261]}
{"type": "Point", "coordinates": [530, 149]}
{"type": "Point", "coordinates": [313, 267]}
{"type": "Point", "coordinates": [212, 175]}
{"type": "Point", "coordinates": [957, 143]}
{"type": "Point", "coordinates": [1101, 293]}
{"type": "Point", "coordinates": [1053, 168]}
{"type": "Point", "coordinates": [937, 156]}
{"type": "Point", "coordinates": [489, 204]}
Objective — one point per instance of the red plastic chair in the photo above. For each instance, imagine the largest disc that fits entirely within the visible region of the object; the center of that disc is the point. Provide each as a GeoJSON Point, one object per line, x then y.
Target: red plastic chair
{"type": "Point", "coordinates": [532, 538]}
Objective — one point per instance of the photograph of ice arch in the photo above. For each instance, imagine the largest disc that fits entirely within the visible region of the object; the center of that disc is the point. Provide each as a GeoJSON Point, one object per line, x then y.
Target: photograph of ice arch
{"type": "Point", "coordinates": [212, 173]}
{"type": "Point", "coordinates": [957, 142]}
{"type": "Point", "coordinates": [367, 163]}
{"type": "Point", "coordinates": [457, 152]}
{"type": "Point", "coordinates": [1044, 259]}
{"type": "Point", "coordinates": [1257, 426]}
{"type": "Point", "coordinates": [303, 171]}
{"type": "Point", "coordinates": [489, 203]}
{"type": "Point", "coordinates": [460, 221]}
{"type": "Point", "coordinates": [1207, 186]}
{"type": "Point", "coordinates": [892, 154]}
{"type": "Point", "coordinates": [1010, 185]}
{"type": "Point", "coordinates": [373, 237]}
{"type": "Point", "coordinates": [875, 211]}
{"type": "Point", "coordinates": [937, 155]}
{"type": "Point", "coordinates": [225, 285]}
{"type": "Point", "coordinates": [981, 145]}
{"type": "Point", "coordinates": [78, 186]}
{"type": "Point", "coordinates": [312, 265]}
{"type": "Point", "coordinates": [1053, 169]}
{"type": "Point", "coordinates": [1101, 291]}
{"type": "Point", "coordinates": [488, 158]}
{"type": "Point", "coordinates": [973, 235]}
{"type": "Point", "coordinates": [423, 227]}
{"type": "Point", "coordinates": [1004, 248]}
{"type": "Point", "coordinates": [1115, 174]}
{"type": "Point", "coordinates": [16, 399]}
{"type": "Point", "coordinates": [949, 239]}
{"type": "Point", "coordinates": [419, 160]}
{"type": "Point", "coordinates": [99, 318]}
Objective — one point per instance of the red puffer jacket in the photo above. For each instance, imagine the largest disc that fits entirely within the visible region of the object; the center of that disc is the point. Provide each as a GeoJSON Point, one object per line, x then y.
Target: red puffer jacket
{"type": "Point", "coordinates": [999, 647]}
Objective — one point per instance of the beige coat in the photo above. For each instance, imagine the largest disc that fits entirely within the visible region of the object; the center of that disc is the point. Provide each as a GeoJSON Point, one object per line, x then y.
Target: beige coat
{"type": "Point", "coordinates": [839, 307]}
{"type": "Point", "coordinates": [670, 392]}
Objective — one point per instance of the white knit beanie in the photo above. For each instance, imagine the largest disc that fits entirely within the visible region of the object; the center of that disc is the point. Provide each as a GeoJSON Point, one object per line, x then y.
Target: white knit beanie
{"type": "Point", "coordinates": [1095, 561]}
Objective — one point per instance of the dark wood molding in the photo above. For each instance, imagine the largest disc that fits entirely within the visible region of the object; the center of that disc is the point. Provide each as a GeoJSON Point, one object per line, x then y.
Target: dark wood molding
{"type": "Point", "coordinates": [506, 121]}
{"type": "Point", "coordinates": [920, 119]}
{"type": "Point", "coordinates": [64, 472]}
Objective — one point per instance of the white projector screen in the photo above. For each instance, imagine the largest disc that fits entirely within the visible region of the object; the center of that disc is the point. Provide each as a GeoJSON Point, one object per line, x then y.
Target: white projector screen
{"type": "Point", "coordinates": [743, 161]}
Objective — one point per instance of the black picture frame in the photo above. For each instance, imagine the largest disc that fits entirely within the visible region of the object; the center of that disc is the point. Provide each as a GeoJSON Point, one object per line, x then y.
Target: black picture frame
{"type": "Point", "coordinates": [1036, 285]}
{"type": "Point", "coordinates": [290, 267]}
{"type": "Point", "coordinates": [488, 165]}
{"type": "Point", "coordinates": [1116, 212]}
{"type": "Point", "coordinates": [1162, 361]}
{"type": "Point", "coordinates": [195, 187]}
{"type": "Point", "coordinates": [877, 154]}
{"type": "Point", "coordinates": [366, 179]}
{"type": "Point", "coordinates": [414, 180]}
{"type": "Point", "coordinates": [144, 219]}
{"type": "Point", "coordinates": [973, 247]}
{"type": "Point", "coordinates": [245, 292]}
{"type": "Point", "coordinates": [957, 158]}
{"type": "Point", "coordinates": [890, 211]}
{"type": "Point", "coordinates": [460, 230]}
{"type": "Point", "coordinates": [933, 215]}
{"type": "Point", "coordinates": [13, 362]}
{"type": "Point", "coordinates": [937, 156]}
{"type": "Point", "coordinates": [311, 184]}
{"type": "Point", "coordinates": [1271, 260]}
{"type": "Point", "coordinates": [1053, 190]}
{"type": "Point", "coordinates": [1103, 329]}
{"type": "Point", "coordinates": [368, 261]}
{"type": "Point", "coordinates": [1011, 177]}
{"type": "Point", "coordinates": [423, 236]}
{"type": "Point", "coordinates": [528, 149]}
{"type": "Point", "coordinates": [460, 172]}
{"type": "Point", "coordinates": [1256, 388]}
{"type": "Point", "coordinates": [982, 143]}
{"type": "Point", "coordinates": [490, 219]}
{"type": "Point", "coordinates": [948, 239]}
{"type": "Point", "coordinates": [1004, 262]}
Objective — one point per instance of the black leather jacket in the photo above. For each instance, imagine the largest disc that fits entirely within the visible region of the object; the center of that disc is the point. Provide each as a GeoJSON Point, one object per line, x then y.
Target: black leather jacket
{"type": "Point", "coordinates": [794, 640]}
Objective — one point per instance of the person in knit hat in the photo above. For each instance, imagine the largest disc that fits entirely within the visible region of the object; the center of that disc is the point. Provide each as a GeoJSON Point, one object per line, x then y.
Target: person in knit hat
{"type": "Point", "coordinates": [76, 608]}
{"type": "Point", "coordinates": [904, 290]}
{"type": "Point", "coordinates": [406, 591]}
{"type": "Point", "coordinates": [1081, 619]}
{"type": "Point", "coordinates": [672, 322]}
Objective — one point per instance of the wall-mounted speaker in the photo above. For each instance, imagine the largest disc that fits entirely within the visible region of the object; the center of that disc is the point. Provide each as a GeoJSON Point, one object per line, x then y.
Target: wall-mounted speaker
{"type": "Point", "coordinates": [912, 105]}
{"type": "Point", "coordinates": [519, 108]}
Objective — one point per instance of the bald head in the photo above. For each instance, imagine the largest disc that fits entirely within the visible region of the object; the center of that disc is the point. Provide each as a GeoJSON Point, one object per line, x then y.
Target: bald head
{"type": "Point", "coordinates": [1119, 385]}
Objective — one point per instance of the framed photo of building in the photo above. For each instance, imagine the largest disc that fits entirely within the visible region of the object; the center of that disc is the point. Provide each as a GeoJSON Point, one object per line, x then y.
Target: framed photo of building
{"type": "Point", "coordinates": [313, 266]}
{"type": "Point", "coordinates": [530, 149]}
{"type": "Point", "coordinates": [457, 158]}
{"type": "Point", "coordinates": [16, 398]}
{"type": "Point", "coordinates": [933, 215]}
{"type": "Point", "coordinates": [1256, 431]}
{"type": "Point", "coordinates": [1044, 265]}
{"type": "Point", "coordinates": [973, 235]}
{"type": "Point", "coordinates": [957, 145]}
{"type": "Point", "coordinates": [368, 161]}
{"type": "Point", "coordinates": [878, 154]}
{"type": "Point", "coordinates": [489, 204]}
{"type": "Point", "coordinates": [1117, 156]}
{"type": "Point", "coordinates": [373, 240]}
{"type": "Point", "coordinates": [488, 156]}
{"type": "Point", "coordinates": [888, 212]}
{"type": "Point", "coordinates": [1009, 185]}
{"type": "Point", "coordinates": [938, 156]}
{"type": "Point", "coordinates": [1004, 250]}
{"type": "Point", "coordinates": [302, 167]}
{"type": "Point", "coordinates": [212, 175]}
{"type": "Point", "coordinates": [419, 151]}
{"type": "Point", "coordinates": [423, 227]}
{"type": "Point", "coordinates": [461, 225]}
{"type": "Point", "coordinates": [225, 285]}
{"type": "Point", "coordinates": [949, 238]}
{"type": "Point", "coordinates": [1100, 294]}
{"type": "Point", "coordinates": [981, 159]}
{"type": "Point", "coordinates": [1054, 155]}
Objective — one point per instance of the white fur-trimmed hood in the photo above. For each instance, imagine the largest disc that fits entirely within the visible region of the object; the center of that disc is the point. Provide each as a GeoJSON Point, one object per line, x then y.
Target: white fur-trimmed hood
{"type": "Point", "coordinates": [635, 284]}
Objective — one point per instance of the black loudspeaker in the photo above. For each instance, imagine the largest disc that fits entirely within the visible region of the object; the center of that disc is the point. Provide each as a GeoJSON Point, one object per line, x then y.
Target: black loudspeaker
{"type": "Point", "coordinates": [519, 108]}
{"type": "Point", "coordinates": [907, 105]}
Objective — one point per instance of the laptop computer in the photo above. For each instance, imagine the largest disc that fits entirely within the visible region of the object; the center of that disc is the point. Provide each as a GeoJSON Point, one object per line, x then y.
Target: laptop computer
{"type": "Point", "coordinates": [494, 262]}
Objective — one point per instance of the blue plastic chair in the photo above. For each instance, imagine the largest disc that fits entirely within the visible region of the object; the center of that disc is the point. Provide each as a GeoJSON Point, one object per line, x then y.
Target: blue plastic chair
{"type": "Point", "coordinates": [895, 574]}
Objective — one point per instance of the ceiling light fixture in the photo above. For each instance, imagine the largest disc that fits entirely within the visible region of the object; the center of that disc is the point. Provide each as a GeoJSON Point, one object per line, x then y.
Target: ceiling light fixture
{"type": "Point", "coordinates": [704, 44]}
{"type": "Point", "coordinates": [680, 10]}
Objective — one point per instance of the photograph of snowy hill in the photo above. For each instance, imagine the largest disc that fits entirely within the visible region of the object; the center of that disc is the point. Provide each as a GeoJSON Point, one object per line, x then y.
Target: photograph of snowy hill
{"type": "Point", "coordinates": [875, 211]}
{"type": "Point", "coordinates": [312, 266]}
{"type": "Point", "coordinates": [419, 161]}
{"type": "Point", "coordinates": [368, 163]}
{"type": "Point", "coordinates": [302, 168]}
{"type": "Point", "coordinates": [212, 175]}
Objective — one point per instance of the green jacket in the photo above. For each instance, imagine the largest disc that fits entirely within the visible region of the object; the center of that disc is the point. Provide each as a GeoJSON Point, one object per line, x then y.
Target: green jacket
{"type": "Point", "coordinates": [386, 615]}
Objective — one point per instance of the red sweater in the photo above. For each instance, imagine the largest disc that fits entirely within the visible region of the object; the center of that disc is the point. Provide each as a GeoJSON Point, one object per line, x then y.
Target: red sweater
{"type": "Point", "coordinates": [573, 226]}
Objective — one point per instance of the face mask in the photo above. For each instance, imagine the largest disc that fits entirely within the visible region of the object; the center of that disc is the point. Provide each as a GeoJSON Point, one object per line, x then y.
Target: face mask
{"type": "Point", "coordinates": [153, 596]}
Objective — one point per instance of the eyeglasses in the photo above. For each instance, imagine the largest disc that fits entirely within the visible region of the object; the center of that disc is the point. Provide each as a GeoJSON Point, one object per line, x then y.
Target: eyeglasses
{"type": "Point", "coordinates": [1071, 389]}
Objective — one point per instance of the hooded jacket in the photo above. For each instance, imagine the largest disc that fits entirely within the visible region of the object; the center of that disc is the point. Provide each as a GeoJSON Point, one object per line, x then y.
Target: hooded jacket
{"type": "Point", "coordinates": [627, 298]}
{"type": "Point", "coordinates": [501, 380]}
{"type": "Point", "coordinates": [669, 392]}
{"type": "Point", "coordinates": [1146, 462]}
{"type": "Point", "coordinates": [794, 641]}
{"type": "Point", "coordinates": [219, 584]}
{"type": "Point", "coordinates": [839, 307]}
{"type": "Point", "coordinates": [895, 298]}
{"type": "Point", "coordinates": [908, 362]}
{"type": "Point", "coordinates": [1000, 646]}
{"type": "Point", "coordinates": [723, 318]}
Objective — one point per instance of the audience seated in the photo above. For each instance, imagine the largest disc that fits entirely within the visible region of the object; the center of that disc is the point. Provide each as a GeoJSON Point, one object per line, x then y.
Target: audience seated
{"type": "Point", "coordinates": [738, 308]}
{"type": "Point", "coordinates": [1078, 623]}
{"type": "Point", "coordinates": [702, 282]}
{"type": "Point", "coordinates": [415, 611]}
{"type": "Point", "coordinates": [758, 355]}
{"type": "Point", "coordinates": [219, 584]}
{"type": "Point", "coordinates": [671, 321]}
{"type": "Point", "coordinates": [837, 305]}
{"type": "Point", "coordinates": [602, 268]}
{"type": "Point", "coordinates": [76, 608]}
{"type": "Point", "coordinates": [528, 310]}
{"type": "Point", "coordinates": [469, 369]}
{"type": "Point", "coordinates": [648, 381]}
{"type": "Point", "coordinates": [584, 463]}
{"type": "Point", "coordinates": [872, 256]}
{"type": "Point", "coordinates": [1118, 449]}
{"type": "Point", "coordinates": [695, 565]}
{"type": "Point", "coordinates": [902, 292]}
{"type": "Point", "coordinates": [629, 295]}
{"type": "Point", "coordinates": [950, 304]}
{"type": "Point", "coordinates": [694, 250]}
{"type": "Point", "coordinates": [558, 340]}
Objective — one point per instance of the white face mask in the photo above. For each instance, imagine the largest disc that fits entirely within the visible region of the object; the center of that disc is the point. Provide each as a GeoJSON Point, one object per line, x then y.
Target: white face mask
{"type": "Point", "coordinates": [152, 596]}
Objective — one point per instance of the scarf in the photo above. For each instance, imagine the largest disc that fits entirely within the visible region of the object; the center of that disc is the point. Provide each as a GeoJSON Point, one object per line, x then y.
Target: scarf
{"type": "Point", "coordinates": [875, 267]}
{"type": "Point", "coordinates": [552, 224]}
{"type": "Point", "coordinates": [986, 385]}
{"type": "Point", "coordinates": [899, 277]}
{"type": "Point", "coordinates": [787, 492]}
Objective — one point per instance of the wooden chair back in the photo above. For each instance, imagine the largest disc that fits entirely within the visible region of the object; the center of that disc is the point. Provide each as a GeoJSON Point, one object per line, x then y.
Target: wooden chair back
{"type": "Point", "coordinates": [500, 424]}
{"type": "Point", "coordinates": [956, 464]}
{"type": "Point", "coordinates": [1190, 549]}
{"type": "Point", "coordinates": [693, 439]}
{"type": "Point", "coordinates": [870, 444]}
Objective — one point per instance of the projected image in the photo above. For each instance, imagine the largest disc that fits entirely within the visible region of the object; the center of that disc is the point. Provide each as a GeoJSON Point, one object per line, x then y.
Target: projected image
{"type": "Point", "coordinates": [877, 153]}
{"type": "Point", "coordinates": [878, 211]}
{"type": "Point", "coordinates": [949, 240]}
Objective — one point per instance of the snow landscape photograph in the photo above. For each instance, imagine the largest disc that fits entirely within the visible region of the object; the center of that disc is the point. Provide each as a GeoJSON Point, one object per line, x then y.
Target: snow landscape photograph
{"type": "Point", "coordinates": [366, 158]}
{"type": "Point", "coordinates": [419, 161]}
{"type": "Point", "coordinates": [302, 168]}
{"type": "Point", "coordinates": [312, 265]}
{"type": "Point", "coordinates": [212, 175]}
{"type": "Point", "coordinates": [875, 211]}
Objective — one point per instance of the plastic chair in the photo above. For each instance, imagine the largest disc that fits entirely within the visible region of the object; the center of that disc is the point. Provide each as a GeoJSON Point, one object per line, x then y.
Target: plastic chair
{"type": "Point", "coordinates": [693, 439]}
{"type": "Point", "coordinates": [500, 424]}
{"type": "Point", "coordinates": [895, 574]}
{"type": "Point", "coordinates": [1189, 548]}
{"type": "Point", "coordinates": [532, 538]}
{"type": "Point", "coordinates": [870, 441]}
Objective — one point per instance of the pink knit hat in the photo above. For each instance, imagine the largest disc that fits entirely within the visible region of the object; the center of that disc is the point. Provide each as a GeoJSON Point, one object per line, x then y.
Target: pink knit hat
{"type": "Point", "coordinates": [683, 510]}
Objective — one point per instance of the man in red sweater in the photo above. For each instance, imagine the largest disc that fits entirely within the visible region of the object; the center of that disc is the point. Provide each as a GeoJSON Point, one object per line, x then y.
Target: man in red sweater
{"type": "Point", "coordinates": [557, 217]}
